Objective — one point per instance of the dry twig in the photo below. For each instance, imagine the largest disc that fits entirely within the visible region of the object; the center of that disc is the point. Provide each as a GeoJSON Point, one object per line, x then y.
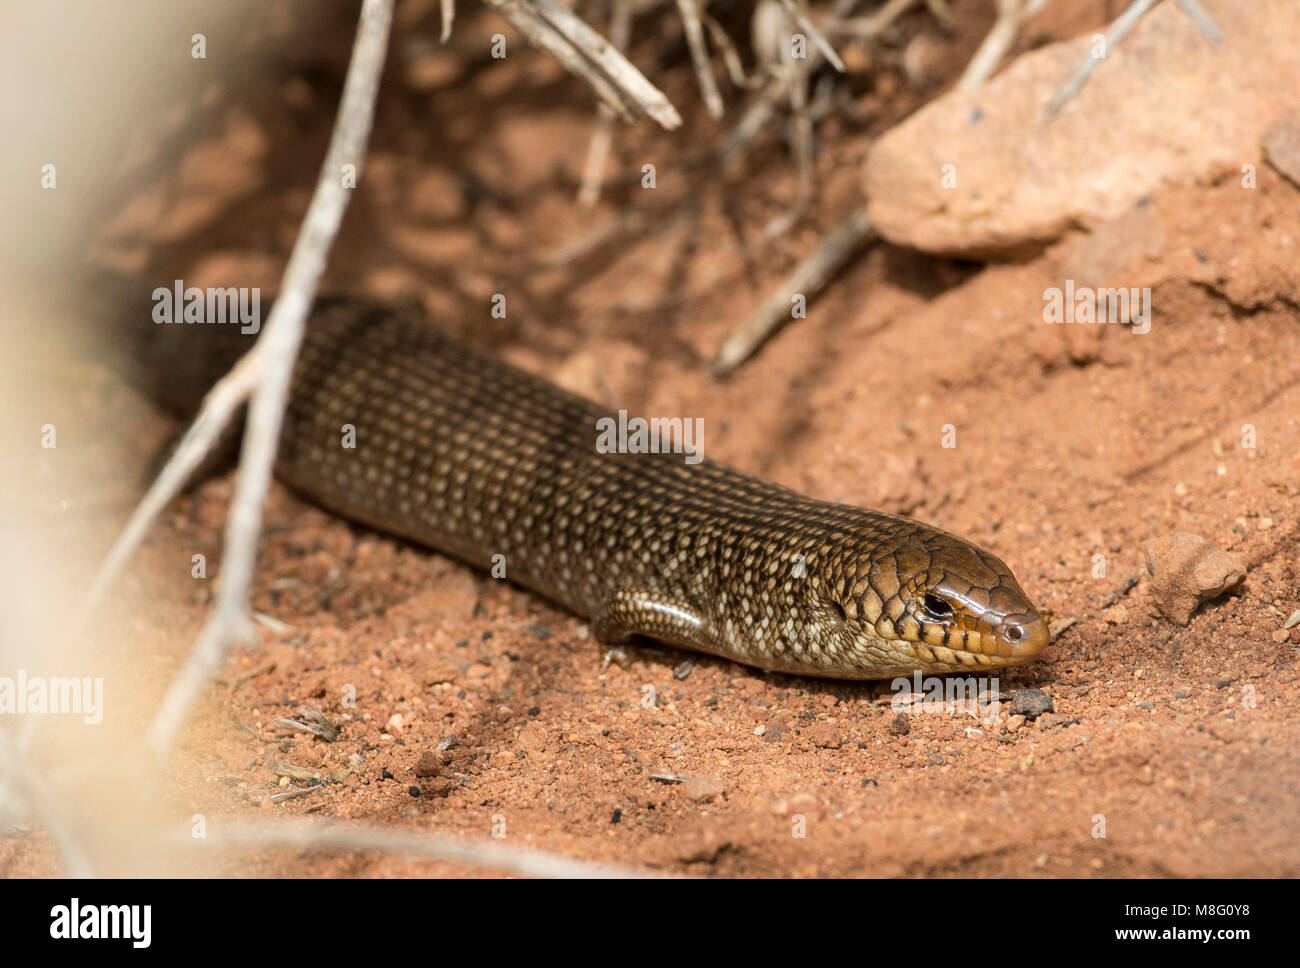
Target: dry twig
{"type": "Point", "coordinates": [448, 8]}
{"type": "Point", "coordinates": [807, 278]}
{"type": "Point", "coordinates": [1201, 17]}
{"type": "Point", "coordinates": [303, 835]}
{"type": "Point", "coordinates": [593, 169]}
{"type": "Point", "coordinates": [800, 16]}
{"type": "Point", "coordinates": [756, 116]}
{"type": "Point", "coordinates": [730, 56]}
{"type": "Point", "coordinates": [1120, 29]}
{"type": "Point", "coordinates": [567, 37]}
{"type": "Point", "coordinates": [875, 23]}
{"type": "Point", "coordinates": [795, 78]}
{"type": "Point", "coordinates": [219, 406]}
{"type": "Point", "coordinates": [273, 359]}
{"type": "Point", "coordinates": [1012, 15]}
{"type": "Point", "coordinates": [700, 56]}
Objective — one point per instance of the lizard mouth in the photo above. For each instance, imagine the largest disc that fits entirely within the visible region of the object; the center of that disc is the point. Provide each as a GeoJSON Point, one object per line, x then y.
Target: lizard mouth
{"type": "Point", "coordinates": [1015, 641]}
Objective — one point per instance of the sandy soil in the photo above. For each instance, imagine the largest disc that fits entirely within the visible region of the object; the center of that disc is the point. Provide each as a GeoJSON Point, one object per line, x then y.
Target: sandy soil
{"type": "Point", "coordinates": [1181, 741]}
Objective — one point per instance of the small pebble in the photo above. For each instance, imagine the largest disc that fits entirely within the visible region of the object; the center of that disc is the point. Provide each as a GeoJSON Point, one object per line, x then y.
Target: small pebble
{"type": "Point", "coordinates": [701, 789]}
{"type": "Point", "coordinates": [430, 764]}
{"type": "Point", "coordinates": [1030, 703]}
{"type": "Point", "coordinates": [823, 736]}
{"type": "Point", "coordinates": [1281, 144]}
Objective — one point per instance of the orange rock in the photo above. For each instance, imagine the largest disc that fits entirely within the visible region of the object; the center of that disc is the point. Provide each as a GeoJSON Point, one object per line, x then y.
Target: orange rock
{"type": "Point", "coordinates": [1186, 570]}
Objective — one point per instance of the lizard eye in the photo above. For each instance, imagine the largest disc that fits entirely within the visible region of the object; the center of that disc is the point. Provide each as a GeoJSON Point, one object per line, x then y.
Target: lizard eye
{"type": "Point", "coordinates": [838, 611]}
{"type": "Point", "coordinates": [937, 608]}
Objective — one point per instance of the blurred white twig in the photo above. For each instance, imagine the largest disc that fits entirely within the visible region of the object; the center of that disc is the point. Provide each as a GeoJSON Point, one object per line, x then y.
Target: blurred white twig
{"type": "Point", "coordinates": [220, 404]}
{"type": "Point", "coordinates": [28, 784]}
{"type": "Point", "coordinates": [273, 360]}
{"type": "Point", "coordinates": [1201, 17]}
{"type": "Point", "coordinates": [448, 8]}
{"type": "Point", "coordinates": [306, 835]}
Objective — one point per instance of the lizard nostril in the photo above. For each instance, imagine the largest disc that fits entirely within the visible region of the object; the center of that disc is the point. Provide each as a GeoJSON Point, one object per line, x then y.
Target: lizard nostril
{"type": "Point", "coordinates": [1025, 639]}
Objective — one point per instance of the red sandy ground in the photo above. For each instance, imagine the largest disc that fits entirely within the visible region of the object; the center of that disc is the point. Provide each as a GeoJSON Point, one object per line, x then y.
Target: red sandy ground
{"type": "Point", "coordinates": [1070, 445]}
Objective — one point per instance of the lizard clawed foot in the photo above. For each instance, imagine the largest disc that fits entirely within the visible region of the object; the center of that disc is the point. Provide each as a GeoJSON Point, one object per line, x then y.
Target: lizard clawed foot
{"type": "Point", "coordinates": [621, 656]}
